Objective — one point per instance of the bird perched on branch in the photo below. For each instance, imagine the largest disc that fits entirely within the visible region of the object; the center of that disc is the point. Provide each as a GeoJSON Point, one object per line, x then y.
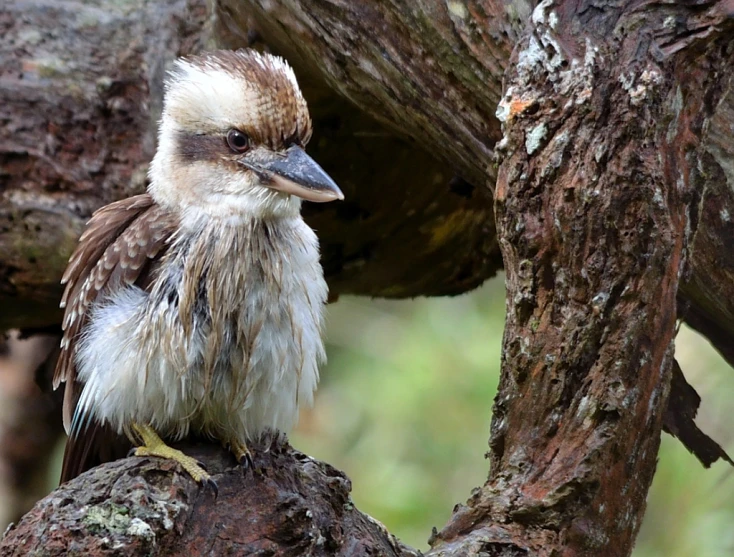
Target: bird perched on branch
{"type": "Point", "coordinates": [196, 308]}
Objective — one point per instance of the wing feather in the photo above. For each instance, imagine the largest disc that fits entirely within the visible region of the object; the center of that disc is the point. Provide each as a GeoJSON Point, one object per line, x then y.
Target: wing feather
{"type": "Point", "coordinates": [121, 244]}
{"type": "Point", "coordinates": [103, 229]}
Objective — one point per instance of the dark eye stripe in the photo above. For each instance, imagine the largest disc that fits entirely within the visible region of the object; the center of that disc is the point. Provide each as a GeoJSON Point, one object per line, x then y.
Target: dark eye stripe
{"type": "Point", "coordinates": [192, 147]}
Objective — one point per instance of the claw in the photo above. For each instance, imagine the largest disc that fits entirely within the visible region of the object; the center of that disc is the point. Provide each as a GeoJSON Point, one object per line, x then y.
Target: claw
{"type": "Point", "coordinates": [245, 460]}
{"type": "Point", "coordinates": [211, 484]}
{"type": "Point", "coordinates": [242, 454]}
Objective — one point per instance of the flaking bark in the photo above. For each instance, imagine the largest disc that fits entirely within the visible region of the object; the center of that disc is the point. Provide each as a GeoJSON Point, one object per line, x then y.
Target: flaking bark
{"type": "Point", "coordinates": [596, 204]}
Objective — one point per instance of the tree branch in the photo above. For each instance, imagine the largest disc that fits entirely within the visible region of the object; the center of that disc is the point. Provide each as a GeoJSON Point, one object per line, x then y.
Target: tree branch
{"type": "Point", "coordinates": [289, 504]}
{"type": "Point", "coordinates": [77, 128]}
{"type": "Point", "coordinates": [435, 236]}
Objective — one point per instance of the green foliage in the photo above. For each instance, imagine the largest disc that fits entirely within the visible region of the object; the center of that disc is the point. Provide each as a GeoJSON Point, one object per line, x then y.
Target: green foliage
{"type": "Point", "coordinates": [404, 409]}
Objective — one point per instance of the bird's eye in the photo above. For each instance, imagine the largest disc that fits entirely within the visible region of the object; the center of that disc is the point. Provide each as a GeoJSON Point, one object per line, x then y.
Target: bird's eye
{"type": "Point", "coordinates": [238, 141]}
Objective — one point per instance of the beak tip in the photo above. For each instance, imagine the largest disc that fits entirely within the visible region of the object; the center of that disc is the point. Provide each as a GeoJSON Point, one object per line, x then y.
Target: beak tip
{"type": "Point", "coordinates": [299, 175]}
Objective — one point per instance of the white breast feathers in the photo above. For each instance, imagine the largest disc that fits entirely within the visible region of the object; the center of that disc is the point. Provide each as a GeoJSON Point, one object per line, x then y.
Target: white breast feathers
{"type": "Point", "coordinates": [226, 341]}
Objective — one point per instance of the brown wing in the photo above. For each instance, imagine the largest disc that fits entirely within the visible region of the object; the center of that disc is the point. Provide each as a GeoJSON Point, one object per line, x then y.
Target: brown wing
{"type": "Point", "coordinates": [118, 248]}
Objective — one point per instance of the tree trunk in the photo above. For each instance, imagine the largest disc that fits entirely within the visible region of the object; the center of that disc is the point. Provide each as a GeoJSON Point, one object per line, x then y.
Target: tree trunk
{"type": "Point", "coordinates": [610, 164]}
{"type": "Point", "coordinates": [596, 203]}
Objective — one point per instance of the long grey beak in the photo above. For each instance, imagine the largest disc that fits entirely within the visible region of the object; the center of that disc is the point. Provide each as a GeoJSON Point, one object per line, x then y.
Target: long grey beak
{"type": "Point", "coordinates": [297, 174]}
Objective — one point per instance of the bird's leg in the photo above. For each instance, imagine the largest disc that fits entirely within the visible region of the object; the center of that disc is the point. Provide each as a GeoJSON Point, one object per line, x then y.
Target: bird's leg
{"type": "Point", "coordinates": [241, 452]}
{"type": "Point", "coordinates": [153, 445]}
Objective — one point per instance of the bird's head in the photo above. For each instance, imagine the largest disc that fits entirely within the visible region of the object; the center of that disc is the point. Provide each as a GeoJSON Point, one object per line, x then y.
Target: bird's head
{"type": "Point", "coordinates": [232, 137]}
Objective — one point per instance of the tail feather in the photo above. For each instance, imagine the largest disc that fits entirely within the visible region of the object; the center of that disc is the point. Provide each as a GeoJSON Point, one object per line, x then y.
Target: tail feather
{"type": "Point", "coordinates": [90, 447]}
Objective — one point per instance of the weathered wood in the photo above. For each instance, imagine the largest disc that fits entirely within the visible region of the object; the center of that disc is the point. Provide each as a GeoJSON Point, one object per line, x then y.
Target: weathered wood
{"type": "Point", "coordinates": [431, 73]}
{"type": "Point", "coordinates": [679, 421]}
{"type": "Point", "coordinates": [289, 505]}
{"type": "Point", "coordinates": [596, 206]}
{"type": "Point", "coordinates": [409, 225]}
{"type": "Point", "coordinates": [434, 71]}
{"type": "Point", "coordinates": [707, 289]}
{"type": "Point", "coordinates": [429, 70]}
{"type": "Point", "coordinates": [80, 85]}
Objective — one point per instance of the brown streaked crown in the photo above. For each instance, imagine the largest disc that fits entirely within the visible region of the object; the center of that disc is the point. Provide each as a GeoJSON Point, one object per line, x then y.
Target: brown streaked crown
{"type": "Point", "coordinates": [273, 112]}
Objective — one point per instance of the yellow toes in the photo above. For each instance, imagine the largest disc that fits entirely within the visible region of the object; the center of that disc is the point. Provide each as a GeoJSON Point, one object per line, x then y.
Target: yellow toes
{"type": "Point", "coordinates": [191, 465]}
{"type": "Point", "coordinates": [153, 445]}
{"type": "Point", "coordinates": [241, 453]}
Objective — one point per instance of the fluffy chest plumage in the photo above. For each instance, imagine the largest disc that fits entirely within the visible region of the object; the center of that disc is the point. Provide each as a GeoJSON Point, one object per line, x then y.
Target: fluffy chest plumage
{"type": "Point", "coordinates": [226, 341]}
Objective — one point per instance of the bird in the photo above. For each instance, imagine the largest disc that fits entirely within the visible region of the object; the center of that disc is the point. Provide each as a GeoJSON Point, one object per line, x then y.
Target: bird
{"type": "Point", "coordinates": [196, 309]}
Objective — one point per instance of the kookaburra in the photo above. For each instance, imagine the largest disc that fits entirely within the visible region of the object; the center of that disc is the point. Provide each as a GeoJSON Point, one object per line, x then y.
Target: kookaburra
{"type": "Point", "coordinates": [196, 308]}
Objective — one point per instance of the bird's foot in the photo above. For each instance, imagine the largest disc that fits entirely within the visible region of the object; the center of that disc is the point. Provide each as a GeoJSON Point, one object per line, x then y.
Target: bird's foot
{"type": "Point", "coordinates": [241, 453]}
{"type": "Point", "coordinates": [153, 445]}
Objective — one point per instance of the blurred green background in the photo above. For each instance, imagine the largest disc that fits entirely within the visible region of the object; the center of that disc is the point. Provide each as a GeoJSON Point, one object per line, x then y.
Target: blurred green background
{"type": "Point", "coordinates": [404, 408]}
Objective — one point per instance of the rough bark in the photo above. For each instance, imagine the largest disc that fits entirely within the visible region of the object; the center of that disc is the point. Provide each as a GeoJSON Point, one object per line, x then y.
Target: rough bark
{"type": "Point", "coordinates": [613, 201]}
{"type": "Point", "coordinates": [411, 109]}
{"type": "Point", "coordinates": [80, 84]}
{"type": "Point", "coordinates": [433, 71]}
{"type": "Point", "coordinates": [706, 290]}
{"type": "Point", "coordinates": [289, 504]}
{"type": "Point", "coordinates": [679, 421]}
{"type": "Point", "coordinates": [79, 109]}
{"type": "Point", "coordinates": [596, 202]}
